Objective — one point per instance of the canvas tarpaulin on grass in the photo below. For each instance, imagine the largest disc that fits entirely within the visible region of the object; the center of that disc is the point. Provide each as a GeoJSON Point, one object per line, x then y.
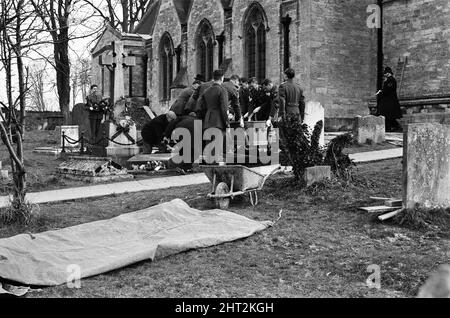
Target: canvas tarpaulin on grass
{"type": "Point", "coordinates": [49, 258]}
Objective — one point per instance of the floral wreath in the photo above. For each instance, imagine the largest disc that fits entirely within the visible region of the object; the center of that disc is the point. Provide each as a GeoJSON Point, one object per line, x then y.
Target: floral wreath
{"type": "Point", "coordinates": [124, 124]}
{"type": "Point", "coordinates": [104, 106]}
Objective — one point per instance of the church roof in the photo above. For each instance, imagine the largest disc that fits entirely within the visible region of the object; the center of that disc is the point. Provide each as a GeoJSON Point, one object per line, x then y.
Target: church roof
{"type": "Point", "coordinates": [147, 24]}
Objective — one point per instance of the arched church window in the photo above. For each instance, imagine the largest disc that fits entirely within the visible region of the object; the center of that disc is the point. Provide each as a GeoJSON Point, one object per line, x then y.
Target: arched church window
{"type": "Point", "coordinates": [166, 53]}
{"type": "Point", "coordinates": [205, 50]}
{"type": "Point", "coordinates": [255, 27]}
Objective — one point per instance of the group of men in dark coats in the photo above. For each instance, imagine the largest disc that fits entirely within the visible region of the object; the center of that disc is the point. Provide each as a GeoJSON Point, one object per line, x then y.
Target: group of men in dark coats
{"type": "Point", "coordinates": [218, 102]}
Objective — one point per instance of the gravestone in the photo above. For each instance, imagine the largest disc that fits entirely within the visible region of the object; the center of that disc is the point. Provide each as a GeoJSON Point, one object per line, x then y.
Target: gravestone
{"type": "Point", "coordinates": [426, 166]}
{"type": "Point", "coordinates": [3, 173]}
{"type": "Point", "coordinates": [369, 129]}
{"type": "Point", "coordinates": [92, 169]}
{"type": "Point", "coordinates": [80, 118]}
{"type": "Point", "coordinates": [316, 174]}
{"type": "Point", "coordinates": [314, 112]}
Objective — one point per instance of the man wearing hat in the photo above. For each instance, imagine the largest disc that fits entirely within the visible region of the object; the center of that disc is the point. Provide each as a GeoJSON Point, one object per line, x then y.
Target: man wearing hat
{"type": "Point", "coordinates": [388, 104]}
{"type": "Point", "coordinates": [291, 99]}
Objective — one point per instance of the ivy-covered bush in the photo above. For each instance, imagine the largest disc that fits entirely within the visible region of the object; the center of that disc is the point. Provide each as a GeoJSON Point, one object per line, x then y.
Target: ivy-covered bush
{"type": "Point", "coordinates": [303, 148]}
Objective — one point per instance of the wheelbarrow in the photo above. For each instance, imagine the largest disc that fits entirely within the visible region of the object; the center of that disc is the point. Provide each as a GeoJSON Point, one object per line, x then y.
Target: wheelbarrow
{"type": "Point", "coordinates": [230, 181]}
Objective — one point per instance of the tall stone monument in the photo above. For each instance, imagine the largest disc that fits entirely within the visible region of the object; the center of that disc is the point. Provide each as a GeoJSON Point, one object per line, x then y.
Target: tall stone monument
{"type": "Point", "coordinates": [122, 133]}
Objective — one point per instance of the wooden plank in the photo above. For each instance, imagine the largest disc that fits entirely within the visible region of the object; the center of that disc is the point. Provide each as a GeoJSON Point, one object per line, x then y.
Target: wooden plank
{"type": "Point", "coordinates": [389, 215]}
{"type": "Point", "coordinates": [378, 209]}
{"type": "Point", "coordinates": [149, 112]}
{"type": "Point", "coordinates": [394, 203]}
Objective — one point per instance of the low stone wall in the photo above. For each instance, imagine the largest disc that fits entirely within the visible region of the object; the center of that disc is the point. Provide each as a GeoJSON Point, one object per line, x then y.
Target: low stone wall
{"type": "Point", "coordinates": [338, 124]}
{"type": "Point", "coordinates": [436, 117]}
{"type": "Point", "coordinates": [42, 120]}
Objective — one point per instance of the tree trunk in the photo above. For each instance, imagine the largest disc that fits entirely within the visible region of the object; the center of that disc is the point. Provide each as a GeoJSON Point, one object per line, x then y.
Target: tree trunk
{"type": "Point", "coordinates": [63, 78]}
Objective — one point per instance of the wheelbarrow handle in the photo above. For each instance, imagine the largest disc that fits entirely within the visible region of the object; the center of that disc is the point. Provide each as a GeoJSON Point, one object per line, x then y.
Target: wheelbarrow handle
{"type": "Point", "coordinates": [275, 170]}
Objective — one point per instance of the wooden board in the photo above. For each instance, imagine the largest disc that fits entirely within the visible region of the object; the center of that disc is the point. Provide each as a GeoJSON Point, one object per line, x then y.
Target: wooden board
{"type": "Point", "coordinates": [389, 215]}
{"type": "Point", "coordinates": [397, 203]}
{"type": "Point", "coordinates": [381, 198]}
{"type": "Point", "coordinates": [378, 209]}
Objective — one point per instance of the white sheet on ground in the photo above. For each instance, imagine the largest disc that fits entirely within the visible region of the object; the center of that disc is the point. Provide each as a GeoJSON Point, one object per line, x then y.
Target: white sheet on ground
{"type": "Point", "coordinates": [49, 258]}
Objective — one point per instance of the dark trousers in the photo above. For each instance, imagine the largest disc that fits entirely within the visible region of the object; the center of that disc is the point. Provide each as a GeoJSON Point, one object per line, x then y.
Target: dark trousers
{"type": "Point", "coordinates": [392, 125]}
{"type": "Point", "coordinates": [95, 124]}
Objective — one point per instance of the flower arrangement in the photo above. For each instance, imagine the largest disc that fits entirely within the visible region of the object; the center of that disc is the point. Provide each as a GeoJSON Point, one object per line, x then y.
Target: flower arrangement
{"type": "Point", "coordinates": [103, 106]}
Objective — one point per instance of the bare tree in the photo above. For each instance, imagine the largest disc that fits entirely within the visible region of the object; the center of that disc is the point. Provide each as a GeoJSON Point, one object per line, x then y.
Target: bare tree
{"type": "Point", "coordinates": [61, 19]}
{"type": "Point", "coordinates": [54, 15]}
{"type": "Point", "coordinates": [121, 13]}
{"type": "Point", "coordinates": [80, 78]}
{"type": "Point", "coordinates": [37, 86]}
{"type": "Point", "coordinates": [14, 29]}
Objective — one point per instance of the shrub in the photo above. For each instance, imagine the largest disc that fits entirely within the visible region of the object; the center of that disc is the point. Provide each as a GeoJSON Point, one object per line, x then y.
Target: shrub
{"type": "Point", "coordinates": [340, 163]}
{"type": "Point", "coordinates": [303, 148]}
{"type": "Point", "coordinates": [19, 212]}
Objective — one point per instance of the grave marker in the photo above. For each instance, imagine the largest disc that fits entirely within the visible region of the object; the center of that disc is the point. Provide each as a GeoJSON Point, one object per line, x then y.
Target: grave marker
{"type": "Point", "coordinates": [426, 166]}
{"type": "Point", "coordinates": [369, 129]}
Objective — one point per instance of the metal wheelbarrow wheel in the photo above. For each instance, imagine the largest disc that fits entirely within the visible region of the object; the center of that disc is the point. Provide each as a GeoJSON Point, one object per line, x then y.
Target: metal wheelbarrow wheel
{"type": "Point", "coordinates": [222, 189]}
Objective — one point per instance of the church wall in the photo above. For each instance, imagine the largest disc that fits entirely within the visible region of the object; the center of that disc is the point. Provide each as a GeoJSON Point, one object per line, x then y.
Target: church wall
{"type": "Point", "coordinates": [420, 30]}
{"type": "Point", "coordinates": [167, 21]}
{"type": "Point", "coordinates": [332, 49]}
{"type": "Point", "coordinates": [213, 12]}
{"type": "Point", "coordinates": [272, 9]}
{"type": "Point", "coordinates": [341, 52]}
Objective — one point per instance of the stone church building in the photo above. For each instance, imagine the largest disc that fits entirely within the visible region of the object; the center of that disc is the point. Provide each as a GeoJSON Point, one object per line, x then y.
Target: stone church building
{"type": "Point", "coordinates": [327, 42]}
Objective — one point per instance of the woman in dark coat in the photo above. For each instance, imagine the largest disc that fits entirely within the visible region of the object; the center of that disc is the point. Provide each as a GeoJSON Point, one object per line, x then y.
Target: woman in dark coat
{"type": "Point", "coordinates": [388, 104]}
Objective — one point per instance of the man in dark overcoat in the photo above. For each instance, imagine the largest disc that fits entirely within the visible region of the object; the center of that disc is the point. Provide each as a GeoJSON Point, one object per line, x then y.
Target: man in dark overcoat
{"type": "Point", "coordinates": [232, 87]}
{"type": "Point", "coordinates": [214, 104]}
{"type": "Point", "coordinates": [95, 112]}
{"type": "Point", "coordinates": [182, 99]}
{"type": "Point", "coordinates": [388, 103]}
{"type": "Point", "coordinates": [291, 99]}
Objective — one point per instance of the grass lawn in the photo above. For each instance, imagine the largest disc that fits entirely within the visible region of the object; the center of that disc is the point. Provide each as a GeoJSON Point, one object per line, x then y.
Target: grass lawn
{"type": "Point", "coordinates": [321, 247]}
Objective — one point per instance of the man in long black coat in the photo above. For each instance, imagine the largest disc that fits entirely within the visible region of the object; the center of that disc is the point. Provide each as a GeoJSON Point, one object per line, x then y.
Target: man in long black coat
{"type": "Point", "coordinates": [214, 104]}
{"type": "Point", "coordinates": [388, 104]}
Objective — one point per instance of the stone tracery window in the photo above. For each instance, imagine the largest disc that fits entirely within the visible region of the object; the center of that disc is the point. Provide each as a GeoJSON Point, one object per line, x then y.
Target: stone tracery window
{"type": "Point", "coordinates": [255, 28]}
{"type": "Point", "coordinates": [166, 53]}
{"type": "Point", "coordinates": [205, 50]}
